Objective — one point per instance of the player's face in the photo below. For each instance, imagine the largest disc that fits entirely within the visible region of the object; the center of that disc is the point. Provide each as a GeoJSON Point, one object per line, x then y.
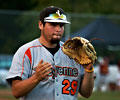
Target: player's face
{"type": "Point", "coordinates": [52, 32]}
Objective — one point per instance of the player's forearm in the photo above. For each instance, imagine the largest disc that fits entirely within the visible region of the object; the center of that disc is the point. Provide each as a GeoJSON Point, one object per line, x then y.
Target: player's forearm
{"type": "Point", "coordinates": [87, 85]}
{"type": "Point", "coordinates": [22, 87]}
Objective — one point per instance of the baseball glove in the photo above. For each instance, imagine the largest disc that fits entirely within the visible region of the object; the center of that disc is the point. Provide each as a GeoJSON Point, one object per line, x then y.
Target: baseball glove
{"type": "Point", "coordinates": [80, 49]}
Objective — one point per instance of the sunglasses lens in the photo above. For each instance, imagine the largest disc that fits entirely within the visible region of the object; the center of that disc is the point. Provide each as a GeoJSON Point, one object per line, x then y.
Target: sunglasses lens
{"type": "Point", "coordinates": [56, 16]}
{"type": "Point", "coordinates": [63, 16]}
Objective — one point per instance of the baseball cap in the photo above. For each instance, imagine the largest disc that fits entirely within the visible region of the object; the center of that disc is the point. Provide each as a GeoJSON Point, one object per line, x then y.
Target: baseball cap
{"type": "Point", "coordinates": [53, 14]}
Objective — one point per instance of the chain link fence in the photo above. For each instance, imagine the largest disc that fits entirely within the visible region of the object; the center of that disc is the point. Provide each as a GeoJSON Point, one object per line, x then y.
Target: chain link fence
{"type": "Point", "coordinates": [19, 27]}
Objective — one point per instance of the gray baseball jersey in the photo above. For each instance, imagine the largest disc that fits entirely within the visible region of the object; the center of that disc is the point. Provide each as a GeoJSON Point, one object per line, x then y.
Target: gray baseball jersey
{"type": "Point", "coordinates": [64, 80]}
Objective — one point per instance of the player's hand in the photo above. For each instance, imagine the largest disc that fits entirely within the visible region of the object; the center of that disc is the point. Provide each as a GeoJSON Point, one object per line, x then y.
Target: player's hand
{"type": "Point", "coordinates": [89, 67]}
{"type": "Point", "coordinates": [42, 70]}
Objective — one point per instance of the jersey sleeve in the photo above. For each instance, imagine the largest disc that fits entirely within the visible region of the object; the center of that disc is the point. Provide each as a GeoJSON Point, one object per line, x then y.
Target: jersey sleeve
{"type": "Point", "coordinates": [20, 66]}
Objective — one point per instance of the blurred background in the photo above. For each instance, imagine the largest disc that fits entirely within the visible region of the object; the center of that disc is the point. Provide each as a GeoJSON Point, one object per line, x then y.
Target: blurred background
{"type": "Point", "coordinates": [89, 19]}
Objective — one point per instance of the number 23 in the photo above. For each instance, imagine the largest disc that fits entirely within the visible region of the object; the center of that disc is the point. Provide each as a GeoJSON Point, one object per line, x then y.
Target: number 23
{"type": "Point", "coordinates": [67, 85]}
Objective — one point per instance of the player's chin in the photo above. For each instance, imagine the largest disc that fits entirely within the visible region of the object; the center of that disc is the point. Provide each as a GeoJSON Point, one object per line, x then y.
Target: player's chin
{"type": "Point", "coordinates": [55, 41]}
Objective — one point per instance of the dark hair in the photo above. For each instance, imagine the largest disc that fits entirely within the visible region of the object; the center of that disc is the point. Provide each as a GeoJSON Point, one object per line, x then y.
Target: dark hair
{"type": "Point", "coordinates": [49, 10]}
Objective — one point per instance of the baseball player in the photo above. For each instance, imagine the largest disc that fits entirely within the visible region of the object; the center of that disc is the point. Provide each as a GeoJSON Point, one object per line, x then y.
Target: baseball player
{"type": "Point", "coordinates": [41, 71]}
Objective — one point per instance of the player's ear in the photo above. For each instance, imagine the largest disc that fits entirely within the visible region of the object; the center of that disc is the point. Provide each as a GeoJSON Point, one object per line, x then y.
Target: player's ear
{"type": "Point", "coordinates": [40, 25]}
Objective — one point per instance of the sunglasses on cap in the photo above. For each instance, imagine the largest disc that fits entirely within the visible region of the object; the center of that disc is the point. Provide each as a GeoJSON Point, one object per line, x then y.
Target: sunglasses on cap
{"type": "Point", "coordinates": [56, 17]}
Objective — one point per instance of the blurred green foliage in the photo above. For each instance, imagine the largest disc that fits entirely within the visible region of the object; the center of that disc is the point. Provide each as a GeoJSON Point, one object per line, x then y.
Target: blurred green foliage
{"type": "Point", "coordinates": [109, 95]}
{"type": "Point", "coordinates": [78, 6]}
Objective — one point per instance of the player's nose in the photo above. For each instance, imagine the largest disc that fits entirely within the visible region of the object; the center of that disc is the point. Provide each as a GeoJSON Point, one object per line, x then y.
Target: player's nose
{"type": "Point", "coordinates": [58, 28]}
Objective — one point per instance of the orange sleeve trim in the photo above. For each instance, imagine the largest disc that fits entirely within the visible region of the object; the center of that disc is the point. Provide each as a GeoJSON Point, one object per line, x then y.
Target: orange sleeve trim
{"type": "Point", "coordinates": [28, 53]}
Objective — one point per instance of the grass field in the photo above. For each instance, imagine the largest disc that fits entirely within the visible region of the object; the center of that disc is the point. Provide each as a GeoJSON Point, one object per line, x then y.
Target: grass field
{"type": "Point", "coordinates": [5, 94]}
{"type": "Point", "coordinates": [110, 95]}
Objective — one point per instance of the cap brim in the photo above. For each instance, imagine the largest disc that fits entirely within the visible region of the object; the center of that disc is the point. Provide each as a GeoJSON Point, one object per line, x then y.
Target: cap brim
{"type": "Point", "coordinates": [57, 21]}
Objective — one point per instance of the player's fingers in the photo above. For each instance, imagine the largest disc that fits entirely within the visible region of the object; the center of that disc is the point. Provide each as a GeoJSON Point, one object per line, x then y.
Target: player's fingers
{"type": "Point", "coordinates": [40, 62]}
{"type": "Point", "coordinates": [45, 75]}
{"type": "Point", "coordinates": [45, 66]}
{"type": "Point", "coordinates": [39, 65]}
{"type": "Point", "coordinates": [43, 69]}
{"type": "Point", "coordinates": [47, 69]}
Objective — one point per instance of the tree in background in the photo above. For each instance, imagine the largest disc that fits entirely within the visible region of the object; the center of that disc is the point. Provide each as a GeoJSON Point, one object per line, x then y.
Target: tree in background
{"type": "Point", "coordinates": [76, 6]}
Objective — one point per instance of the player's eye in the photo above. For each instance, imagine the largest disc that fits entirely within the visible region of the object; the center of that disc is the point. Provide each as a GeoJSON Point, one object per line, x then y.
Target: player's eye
{"type": "Point", "coordinates": [55, 24]}
{"type": "Point", "coordinates": [61, 24]}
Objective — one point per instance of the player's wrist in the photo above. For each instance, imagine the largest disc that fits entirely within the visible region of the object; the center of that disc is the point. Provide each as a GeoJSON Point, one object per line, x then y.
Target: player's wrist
{"type": "Point", "coordinates": [35, 79]}
{"type": "Point", "coordinates": [89, 68]}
